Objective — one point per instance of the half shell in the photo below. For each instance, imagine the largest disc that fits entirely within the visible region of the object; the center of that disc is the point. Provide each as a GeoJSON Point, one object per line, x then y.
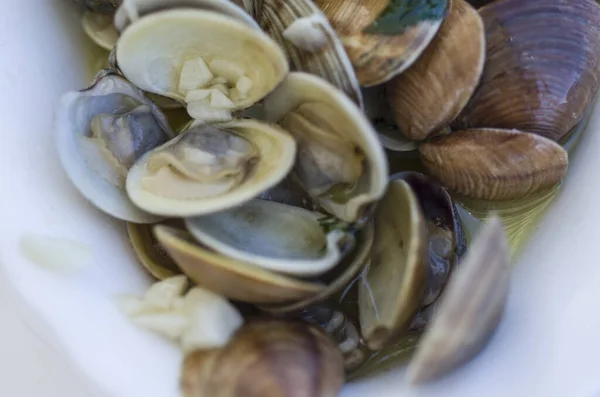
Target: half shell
{"type": "Point", "coordinates": [99, 27]}
{"type": "Point", "coordinates": [99, 133]}
{"type": "Point", "coordinates": [211, 168]}
{"type": "Point", "coordinates": [132, 10]}
{"type": "Point", "coordinates": [444, 230]}
{"type": "Point", "coordinates": [340, 160]}
{"type": "Point", "coordinates": [167, 53]}
{"type": "Point", "coordinates": [231, 278]}
{"type": "Point", "coordinates": [150, 253]}
{"type": "Point", "coordinates": [394, 285]}
{"type": "Point", "coordinates": [273, 236]}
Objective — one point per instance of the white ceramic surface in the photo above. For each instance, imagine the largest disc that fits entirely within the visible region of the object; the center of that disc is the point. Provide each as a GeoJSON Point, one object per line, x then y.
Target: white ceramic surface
{"type": "Point", "coordinates": [546, 346]}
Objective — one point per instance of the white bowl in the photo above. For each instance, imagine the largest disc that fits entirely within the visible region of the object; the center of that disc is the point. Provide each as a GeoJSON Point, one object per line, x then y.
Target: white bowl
{"type": "Point", "coordinates": [547, 344]}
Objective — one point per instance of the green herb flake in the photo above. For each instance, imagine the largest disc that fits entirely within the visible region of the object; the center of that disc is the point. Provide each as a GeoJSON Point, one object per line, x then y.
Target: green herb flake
{"type": "Point", "coordinates": [399, 15]}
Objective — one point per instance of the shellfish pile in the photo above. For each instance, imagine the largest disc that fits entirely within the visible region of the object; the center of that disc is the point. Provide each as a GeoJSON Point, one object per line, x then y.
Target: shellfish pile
{"type": "Point", "coordinates": [279, 199]}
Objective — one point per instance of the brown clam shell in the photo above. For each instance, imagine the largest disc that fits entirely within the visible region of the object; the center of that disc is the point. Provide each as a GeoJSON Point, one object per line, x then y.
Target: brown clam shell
{"type": "Point", "coordinates": [376, 57]}
{"type": "Point", "coordinates": [495, 164]}
{"type": "Point", "coordinates": [274, 358]}
{"type": "Point", "coordinates": [542, 66]}
{"type": "Point", "coordinates": [432, 92]}
{"type": "Point", "coordinates": [469, 310]}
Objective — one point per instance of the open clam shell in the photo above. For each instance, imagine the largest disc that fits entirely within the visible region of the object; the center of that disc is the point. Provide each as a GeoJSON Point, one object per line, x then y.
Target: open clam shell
{"type": "Point", "coordinates": [99, 27]}
{"type": "Point", "coordinates": [340, 160]}
{"type": "Point", "coordinates": [469, 310]}
{"type": "Point", "coordinates": [211, 168]}
{"type": "Point", "coordinates": [99, 132]}
{"type": "Point", "coordinates": [394, 284]}
{"type": "Point", "coordinates": [444, 230]}
{"type": "Point", "coordinates": [434, 90]}
{"type": "Point", "coordinates": [542, 66]}
{"type": "Point", "coordinates": [229, 277]}
{"type": "Point", "coordinates": [342, 275]}
{"type": "Point", "coordinates": [167, 53]}
{"type": "Point", "coordinates": [495, 164]}
{"type": "Point", "coordinates": [377, 53]}
{"type": "Point", "coordinates": [150, 253]}
{"type": "Point", "coordinates": [132, 10]}
{"type": "Point", "coordinates": [309, 41]}
{"type": "Point", "coordinates": [273, 236]}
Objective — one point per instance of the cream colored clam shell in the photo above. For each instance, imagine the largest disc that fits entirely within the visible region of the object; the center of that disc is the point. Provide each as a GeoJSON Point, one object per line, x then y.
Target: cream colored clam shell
{"type": "Point", "coordinates": [277, 151]}
{"type": "Point", "coordinates": [72, 121]}
{"type": "Point", "coordinates": [231, 278]}
{"type": "Point", "coordinates": [300, 88]}
{"type": "Point", "coordinates": [270, 235]}
{"type": "Point", "coordinates": [151, 52]}
{"type": "Point", "coordinates": [132, 10]}
{"type": "Point", "coordinates": [100, 29]}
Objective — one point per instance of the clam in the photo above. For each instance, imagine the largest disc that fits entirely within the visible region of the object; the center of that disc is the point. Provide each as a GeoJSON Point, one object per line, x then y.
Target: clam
{"type": "Point", "coordinates": [103, 6]}
{"type": "Point", "coordinates": [99, 27]}
{"type": "Point", "coordinates": [274, 358]}
{"type": "Point", "coordinates": [340, 160]}
{"type": "Point", "coordinates": [309, 41]}
{"type": "Point", "coordinates": [495, 164]}
{"type": "Point", "coordinates": [445, 237]}
{"type": "Point", "coordinates": [167, 53]}
{"type": "Point", "coordinates": [383, 38]}
{"type": "Point", "coordinates": [340, 277]}
{"type": "Point", "coordinates": [131, 10]}
{"type": "Point", "coordinates": [150, 253]}
{"type": "Point", "coordinates": [393, 286]}
{"type": "Point", "coordinates": [234, 279]}
{"type": "Point", "coordinates": [469, 310]}
{"type": "Point", "coordinates": [209, 168]}
{"type": "Point", "coordinates": [433, 91]}
{"type": "Point", "coordinates": [273, 236]}
{"type": "Point", "coordinates": [542, 66]}
{"type": "Point", "coordinates": [100, 132]}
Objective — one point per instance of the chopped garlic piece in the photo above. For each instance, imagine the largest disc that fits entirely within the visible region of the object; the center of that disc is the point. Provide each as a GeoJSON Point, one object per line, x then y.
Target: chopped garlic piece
{"type": "Point", "coordinates": [227, 69]}
{"type": "Point", "coordinates": [218, 80]}
{"type": "Point", "coordinates": [199, 320]}
{"type": "Point", "coordinates": [201, 110]}
{"type": "Point", "coordinates": [218, 100]}
{"type": "Point", "coordinates": [196, 95]}
{"type": "Point", "coordinates": [55, 253]}
{"type": "Point", "coordinates": [133, 306]}
{"type": "Point", "coordinates": [244, 85]}
{"type": "Point", "coordinates": [171, 325]}
{"type": "Point", "coordinates": [308, 33]}
{"type": "Point", "coordinates": [162, 294]}
{"type": "Point", "coordinates": [222, 88]}
{"type": "Point", "coordinates": [213, 320]}
{"type": "Point", "coordinates": [194, 74]}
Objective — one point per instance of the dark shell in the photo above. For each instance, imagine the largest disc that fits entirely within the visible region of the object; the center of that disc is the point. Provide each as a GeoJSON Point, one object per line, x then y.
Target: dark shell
{"type": "Point", "coordinates": [542, 66]}
{"type": "Point", "coordinates": [444, 230]}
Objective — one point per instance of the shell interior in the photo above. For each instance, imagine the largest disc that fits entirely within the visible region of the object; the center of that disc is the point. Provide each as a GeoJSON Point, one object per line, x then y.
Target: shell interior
{"type": "Point", "coordinates": [271, 235]}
